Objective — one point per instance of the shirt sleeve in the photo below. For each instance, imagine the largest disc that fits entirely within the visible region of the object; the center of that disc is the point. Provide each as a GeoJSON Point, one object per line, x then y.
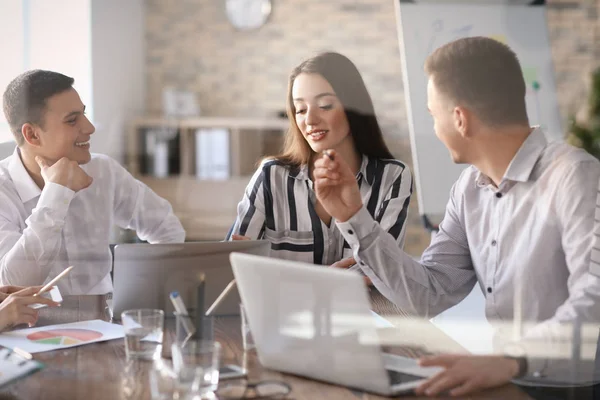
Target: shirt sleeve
{"type": "Point", "coordinates": [595, 254]}
{"type": "Point", "coordinates": [576, 208]}
{"type": "Point", "coordinates": [137, 207]}
{"type": "Point", "coordinates": [27, 256]}
{"type": "Point", "coordinates": [442, 278]}
{"type": "Point", "coordinates": [250, 221]}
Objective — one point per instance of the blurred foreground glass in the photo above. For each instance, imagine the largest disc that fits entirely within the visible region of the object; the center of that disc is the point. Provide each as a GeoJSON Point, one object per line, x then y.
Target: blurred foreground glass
{"type": "Point", "coordinates": [197, 367]}
{"type": "Point", "coordinates": [258, 390]}
{"type": "Point", "coordinates": [185, 328]}
{"type": "Point", "coordinates": [163, 381]}
{"type": "Point", "coordinates": [143, 333]}
{"type": "Point", "coordinates": [247, 340]}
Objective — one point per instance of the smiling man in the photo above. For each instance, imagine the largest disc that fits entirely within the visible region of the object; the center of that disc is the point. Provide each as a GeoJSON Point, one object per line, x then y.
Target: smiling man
{"type": "Point", "coordinates": [59, 202]}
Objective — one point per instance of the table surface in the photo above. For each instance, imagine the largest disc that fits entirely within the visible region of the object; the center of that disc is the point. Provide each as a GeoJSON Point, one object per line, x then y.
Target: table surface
{"type": "Point", "coordinates": [101, 370]}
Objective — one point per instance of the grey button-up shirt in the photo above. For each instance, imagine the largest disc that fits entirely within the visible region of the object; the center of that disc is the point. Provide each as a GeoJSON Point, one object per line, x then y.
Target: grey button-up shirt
{"type": "Point", "coordinates": [535, 229]}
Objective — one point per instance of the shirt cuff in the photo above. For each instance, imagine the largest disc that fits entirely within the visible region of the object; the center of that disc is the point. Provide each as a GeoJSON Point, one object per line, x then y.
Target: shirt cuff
{"type": "Point", "coordinates": [358, 227]}
{"type": "Point", "coordinates": [56, 198]}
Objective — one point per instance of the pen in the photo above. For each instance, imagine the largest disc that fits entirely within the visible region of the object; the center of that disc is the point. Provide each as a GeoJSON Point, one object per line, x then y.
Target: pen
{"type": "Point", "coordinates": [326, 152]}
{"type": "Point", "coordinates": [219, 299]}
{"type": "Point", "coordinates": [200, 306]}
{"type": "Point", "coordinates": [49, 285]}
{"type": "Point", "coordinates": [182, 313]}
{"type": "Point", "coordinates": [178, 303]}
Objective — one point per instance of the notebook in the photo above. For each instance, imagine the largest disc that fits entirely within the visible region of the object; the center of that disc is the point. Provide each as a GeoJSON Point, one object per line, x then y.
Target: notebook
{"type": "Point", "coordinates": [16, 364]}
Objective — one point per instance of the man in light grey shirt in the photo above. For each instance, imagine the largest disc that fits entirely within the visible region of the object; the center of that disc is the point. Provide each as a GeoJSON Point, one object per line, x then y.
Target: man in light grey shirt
{"type": "Point", "coordinates": [522, 213]}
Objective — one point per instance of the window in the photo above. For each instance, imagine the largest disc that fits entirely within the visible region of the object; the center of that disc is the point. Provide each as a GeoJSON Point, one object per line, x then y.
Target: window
{"type": "Point", "coordinates": [45, 36]}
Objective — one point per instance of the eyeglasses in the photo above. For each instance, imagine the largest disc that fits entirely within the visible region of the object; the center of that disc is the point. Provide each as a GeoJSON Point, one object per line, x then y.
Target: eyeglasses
{"type": "Point", "coordinates": [259, 390]}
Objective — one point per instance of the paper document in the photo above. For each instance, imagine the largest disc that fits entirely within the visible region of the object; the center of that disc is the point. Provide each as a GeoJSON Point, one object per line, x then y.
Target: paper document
{"type": "Point", "coordinates": [56, 337]}
{"type": "Point", "coordinates": [14, 366]}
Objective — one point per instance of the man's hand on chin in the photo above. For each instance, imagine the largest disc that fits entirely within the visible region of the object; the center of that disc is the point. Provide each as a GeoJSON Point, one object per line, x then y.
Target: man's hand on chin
{"type": "Point", "coordinates": [64, 172]}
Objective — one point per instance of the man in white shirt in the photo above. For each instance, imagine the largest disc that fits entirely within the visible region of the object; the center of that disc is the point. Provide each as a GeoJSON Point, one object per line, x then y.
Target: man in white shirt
{"type": "Point", "coordinates": [58, 202]}
{"type": "Point", "coordinates": [521, 216]}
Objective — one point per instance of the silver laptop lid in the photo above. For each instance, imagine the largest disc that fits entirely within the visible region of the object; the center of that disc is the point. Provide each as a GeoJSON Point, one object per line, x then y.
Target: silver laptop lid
{"type": "Point", "coordinates": [311, 321]}
{"type": "Point", "coordinates": [145, 274]}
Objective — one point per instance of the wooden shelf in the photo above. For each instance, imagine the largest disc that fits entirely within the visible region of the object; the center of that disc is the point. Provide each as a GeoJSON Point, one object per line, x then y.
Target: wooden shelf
{"type": "Point", "coordinates": [206, 208]}
{"type": "Point", "coordinates": [245, 140]}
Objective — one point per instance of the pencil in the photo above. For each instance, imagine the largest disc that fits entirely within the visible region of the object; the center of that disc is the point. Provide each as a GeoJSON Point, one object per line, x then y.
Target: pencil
{"type": "Point", "coordinates": [200, 307]}
{"type": "Point", "coordinates": [49, 285]}
{"type": "Point", "coordinates": [219, 299]}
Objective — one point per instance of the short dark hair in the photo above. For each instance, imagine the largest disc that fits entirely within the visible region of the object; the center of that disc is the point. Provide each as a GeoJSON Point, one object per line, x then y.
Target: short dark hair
{"type": "Point", "coordinates": [350, 89]}
{"type": "Point", "coordinates": [25, 98]}
{"type": "Point", "coordinates": [484, 75]}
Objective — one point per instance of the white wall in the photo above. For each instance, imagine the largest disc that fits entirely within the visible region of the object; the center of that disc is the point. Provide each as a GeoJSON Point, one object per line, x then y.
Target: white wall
{"type": "Point", "coordinates": [100, 43]}
{"type": "Point", "coordinates": [118, 71]}
{"type": "Point", "coordinates": [59, 40]}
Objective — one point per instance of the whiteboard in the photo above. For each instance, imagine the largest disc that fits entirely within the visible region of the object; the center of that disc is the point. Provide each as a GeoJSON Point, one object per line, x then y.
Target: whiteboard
{"type": "Point", "coordinates": [423, 27]}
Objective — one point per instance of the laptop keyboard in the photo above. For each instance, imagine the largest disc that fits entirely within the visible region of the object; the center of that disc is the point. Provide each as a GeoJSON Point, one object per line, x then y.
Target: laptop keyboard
{"type": "Point", "coordinates": [397, 378]}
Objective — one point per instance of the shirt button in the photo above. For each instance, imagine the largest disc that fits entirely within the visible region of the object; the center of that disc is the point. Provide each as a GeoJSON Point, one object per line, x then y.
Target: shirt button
{"type": "Point", "coordinates": [498, 195]}
{"type": "Point", "coordinates": [350, 231]}
{"type": "Point", "coordinates": [494, 242]}
{"type": "Point", "coordinates": [489, 290]}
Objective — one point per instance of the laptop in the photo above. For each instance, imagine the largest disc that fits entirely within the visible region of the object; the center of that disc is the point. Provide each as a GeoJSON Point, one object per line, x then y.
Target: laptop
{"type": "Point", "coordinates": [316, 322]}
{"type": "Point", "coordinates": [145, 274]}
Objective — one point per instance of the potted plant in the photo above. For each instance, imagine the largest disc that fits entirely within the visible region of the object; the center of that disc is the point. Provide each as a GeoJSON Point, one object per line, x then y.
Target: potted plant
{"type": "Point", "coordinates": [587, 135]}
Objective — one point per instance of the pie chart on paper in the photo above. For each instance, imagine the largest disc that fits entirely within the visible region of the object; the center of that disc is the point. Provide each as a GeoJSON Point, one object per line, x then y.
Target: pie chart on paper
{"type": "Point", "coordinates": [64, 337]}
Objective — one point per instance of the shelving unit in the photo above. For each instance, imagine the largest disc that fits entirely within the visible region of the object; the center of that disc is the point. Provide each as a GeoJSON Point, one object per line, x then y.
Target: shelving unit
{"type": "Point", "coordinates": [206, 208]}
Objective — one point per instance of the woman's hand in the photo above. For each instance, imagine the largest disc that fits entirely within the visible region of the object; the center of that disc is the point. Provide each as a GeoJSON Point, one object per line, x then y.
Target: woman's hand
{"type": "Point", "coordinates": [15, 310]}
{"type": "Point", "coordinates": [239, 237]}
{"type": "Point", "coordinates": [347, 263]}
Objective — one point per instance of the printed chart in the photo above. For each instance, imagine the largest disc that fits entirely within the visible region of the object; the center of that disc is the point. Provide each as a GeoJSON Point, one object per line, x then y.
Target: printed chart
{"type": "Point", "coordinates": [56, 337]}
{"type": "Point", "coordinates": [66, 337]}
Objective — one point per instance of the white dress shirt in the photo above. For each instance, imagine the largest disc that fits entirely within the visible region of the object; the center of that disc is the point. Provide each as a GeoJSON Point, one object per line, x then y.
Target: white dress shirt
{"type": "Point", "coordinates": [535, 230]}
{"type": "Point", "coordinates": [595, 263]}
{"type": "Point", "coordinates": [42, 232]}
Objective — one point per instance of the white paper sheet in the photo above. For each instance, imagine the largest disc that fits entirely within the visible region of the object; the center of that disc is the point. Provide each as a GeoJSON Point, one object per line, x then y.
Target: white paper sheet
{"type": "Point", "coordinates": [56, 337]}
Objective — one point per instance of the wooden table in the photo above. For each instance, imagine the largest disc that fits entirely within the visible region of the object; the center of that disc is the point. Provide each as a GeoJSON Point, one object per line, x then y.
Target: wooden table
{"type": "Point", "coordinates": [101, 371]}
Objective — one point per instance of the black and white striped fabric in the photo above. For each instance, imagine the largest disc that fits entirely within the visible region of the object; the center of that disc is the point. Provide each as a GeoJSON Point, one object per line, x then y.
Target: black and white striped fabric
{"type": "Point", "coordinates": [278, 205]}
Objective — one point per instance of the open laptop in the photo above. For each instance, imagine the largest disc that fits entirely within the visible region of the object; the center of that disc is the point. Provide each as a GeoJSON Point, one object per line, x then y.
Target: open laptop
{"type": "Point", "coordinates": [145, 274]}
{"type": "Point", "coordinates": [316, 322]}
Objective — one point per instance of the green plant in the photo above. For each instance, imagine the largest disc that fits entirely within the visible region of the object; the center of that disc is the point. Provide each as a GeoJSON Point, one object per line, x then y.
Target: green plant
{"type": "Point", "coordinates": [587, 135]}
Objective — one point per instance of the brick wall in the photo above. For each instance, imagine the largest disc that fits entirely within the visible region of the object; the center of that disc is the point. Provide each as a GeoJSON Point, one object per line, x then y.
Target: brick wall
{"type": "Point", "coordinates": [191, 45]}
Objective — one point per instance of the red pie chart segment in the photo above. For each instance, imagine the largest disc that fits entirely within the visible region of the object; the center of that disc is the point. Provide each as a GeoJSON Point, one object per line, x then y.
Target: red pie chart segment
{"type": "Point", "coordinates": [64, 337]}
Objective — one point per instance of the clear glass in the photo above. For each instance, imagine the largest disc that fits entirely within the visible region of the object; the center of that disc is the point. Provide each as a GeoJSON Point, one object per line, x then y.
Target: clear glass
{"type": "Point", "coordinates": [143, 333]}
{"type": "Point", "coordinates": [185, 328]}
{"type": "Point", "coordinates": [163, 381]}
{"type": "Point", "coordinates": [247, 340]}
{"type": "Point", "coordinates": [197, 367]}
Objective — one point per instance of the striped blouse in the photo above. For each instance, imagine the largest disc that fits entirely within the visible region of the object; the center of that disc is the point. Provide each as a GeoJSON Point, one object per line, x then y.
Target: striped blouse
{"type": "Point", "coordinates": [279, 206]}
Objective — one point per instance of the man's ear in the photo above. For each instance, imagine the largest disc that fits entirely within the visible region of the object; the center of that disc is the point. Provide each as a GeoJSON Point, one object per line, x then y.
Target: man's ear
{"type": "Point", "coordinates": [462, 117]}
{"type": "Point", "coordinates": [31, 134]}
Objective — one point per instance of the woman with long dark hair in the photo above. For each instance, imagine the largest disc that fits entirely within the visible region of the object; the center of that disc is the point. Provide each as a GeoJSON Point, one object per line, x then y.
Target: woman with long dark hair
{"type": "Point", "coordinates": [328, 107]}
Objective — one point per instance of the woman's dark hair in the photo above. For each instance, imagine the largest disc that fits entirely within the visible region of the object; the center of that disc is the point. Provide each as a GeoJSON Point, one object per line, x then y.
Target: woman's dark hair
{"type": "Point", "coordinates": [349, 87]}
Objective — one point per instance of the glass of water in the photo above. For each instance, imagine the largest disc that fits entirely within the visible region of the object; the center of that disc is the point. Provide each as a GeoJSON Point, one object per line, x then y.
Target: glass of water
{"type": "Point", "coordinates": [197, 367]}
{"type": "Point", "coordinates": [143, 333]}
